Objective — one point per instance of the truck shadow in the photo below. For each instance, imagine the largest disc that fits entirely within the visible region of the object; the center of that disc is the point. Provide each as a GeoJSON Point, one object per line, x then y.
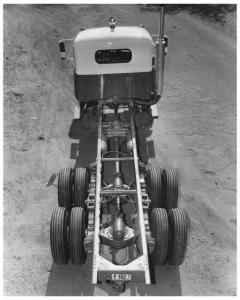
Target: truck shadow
{"type": "Point", "coordinates": [71, 280]}
{"type": "Point", "coordinates": [85, 151]}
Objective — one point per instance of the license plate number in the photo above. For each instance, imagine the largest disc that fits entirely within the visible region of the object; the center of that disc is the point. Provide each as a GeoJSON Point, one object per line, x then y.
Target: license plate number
{"type": "Point", "coordinates": [121, 277]}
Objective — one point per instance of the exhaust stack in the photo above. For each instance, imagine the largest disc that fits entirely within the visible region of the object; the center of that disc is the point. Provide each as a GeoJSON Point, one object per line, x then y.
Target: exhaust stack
{"type": "Point", "coordinates": [160, 55]}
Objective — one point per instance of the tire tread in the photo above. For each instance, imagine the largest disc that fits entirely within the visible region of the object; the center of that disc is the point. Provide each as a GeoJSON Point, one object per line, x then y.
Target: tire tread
{"type": "Point", "coordinates": [81, 183]}
{"type": "Point", "coordinates": [58, 236]}
{"type": "Point", "coordinates": [160, 230]}
{"type": "Point", "coordinates": [77, 234]}
{"type": "Point", "coordinates": [65, 182]}
{"type": "Point", "coordinates": [170, 188]}
{"type": "Point", "coordinates": [154, 187]}
{"type": "Point", "coordinates": [179, 226]}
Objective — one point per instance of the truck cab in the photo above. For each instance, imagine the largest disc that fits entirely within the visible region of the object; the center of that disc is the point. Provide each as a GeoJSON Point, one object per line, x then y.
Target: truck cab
{"type": "Point", "coordinates": [114, 63]}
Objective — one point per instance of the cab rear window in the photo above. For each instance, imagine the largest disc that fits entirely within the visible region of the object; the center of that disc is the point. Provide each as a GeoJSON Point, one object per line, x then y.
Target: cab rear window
{"type": "Point", "coordinates": [113, 56]}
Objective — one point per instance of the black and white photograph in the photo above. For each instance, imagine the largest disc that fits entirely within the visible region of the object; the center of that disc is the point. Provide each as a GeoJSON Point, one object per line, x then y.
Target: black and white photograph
{"type": "Point", "coordinates": [119, 146]}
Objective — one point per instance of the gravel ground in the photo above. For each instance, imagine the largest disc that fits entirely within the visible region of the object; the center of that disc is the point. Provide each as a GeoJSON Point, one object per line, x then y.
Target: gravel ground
{"type": "Point", "coordinates": [195, 132]}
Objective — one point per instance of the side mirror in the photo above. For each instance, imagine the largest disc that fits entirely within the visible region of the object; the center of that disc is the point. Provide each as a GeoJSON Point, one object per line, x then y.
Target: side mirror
{"type": "Point", "coordinates": [165, 43]}
{"type": "Point", "coordinates": [62, 49]}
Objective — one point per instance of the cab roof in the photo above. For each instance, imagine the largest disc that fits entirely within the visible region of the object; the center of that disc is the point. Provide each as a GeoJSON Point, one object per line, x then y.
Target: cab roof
{"type": "Point", "coordinates": [104, 36]}
{"type": "Point", "coordinates": [136, 39]}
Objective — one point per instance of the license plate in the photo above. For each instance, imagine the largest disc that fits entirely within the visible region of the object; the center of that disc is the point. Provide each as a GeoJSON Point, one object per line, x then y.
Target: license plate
{"type": "Point", "coordinates": [124, 277]}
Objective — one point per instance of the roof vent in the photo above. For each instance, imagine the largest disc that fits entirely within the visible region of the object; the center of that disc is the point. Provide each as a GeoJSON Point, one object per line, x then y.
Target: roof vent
{"type": "Point", "coordinates": [112, 23]}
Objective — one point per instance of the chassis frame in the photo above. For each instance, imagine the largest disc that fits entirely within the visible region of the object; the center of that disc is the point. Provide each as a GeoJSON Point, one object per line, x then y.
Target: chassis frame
{"type": "Point", "coordinates": [102, 268]}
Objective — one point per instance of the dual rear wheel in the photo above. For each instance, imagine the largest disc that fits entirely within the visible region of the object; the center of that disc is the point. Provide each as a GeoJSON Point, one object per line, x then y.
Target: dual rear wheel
{"type": "Point", "coordinates": [170, 230]}
{"type": "Point", "coordinates": [169, 224]}
{"type": "Point", "coordinates": [72, 187]}
{"type": "Point", "coordinates": [162, 187]}
{"type": "Point", "coordinates": [67, 233]}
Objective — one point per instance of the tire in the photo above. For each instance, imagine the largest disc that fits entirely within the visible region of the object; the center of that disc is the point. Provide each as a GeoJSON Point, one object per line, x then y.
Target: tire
{"type": "Point", "coordinates": [65, 188]}
{"type": "Point", "coordinates": [179, 226]}
{"type": "Point", "coordinates": [77, 234]}
{"type": "Point", "coordinates": [160, 231]}
{"type": "Point", "coordinates": [81, 183]}
{"type": "Point", "coordinates": [170, 188]}
{"type": "Point", "coordinates": [58, 235]}
{"type": "Point", "coordinates": [154, 187]}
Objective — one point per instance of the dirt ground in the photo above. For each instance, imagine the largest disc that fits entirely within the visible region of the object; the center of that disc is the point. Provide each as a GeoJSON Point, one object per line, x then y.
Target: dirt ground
{"type": "Point", "coordinates": [195, 132]}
